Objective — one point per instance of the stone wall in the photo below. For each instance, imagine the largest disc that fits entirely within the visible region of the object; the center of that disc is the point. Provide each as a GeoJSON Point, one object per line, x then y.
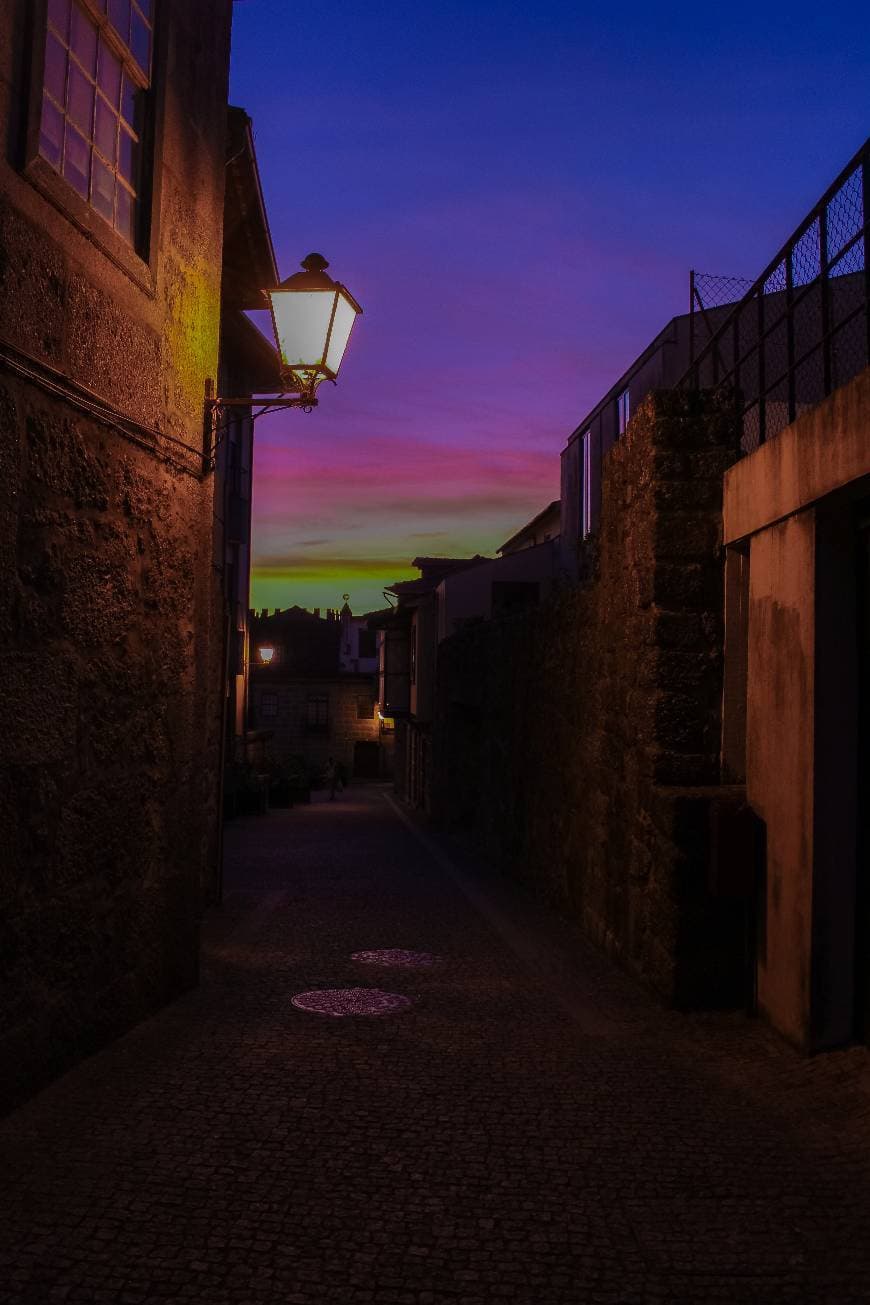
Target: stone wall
{"type": "Point", "coordinates": [292, 734]}
{"type": "Point", "coordinates": [578, 746]}
{"type": "Point", "coordinates": [110, 690]}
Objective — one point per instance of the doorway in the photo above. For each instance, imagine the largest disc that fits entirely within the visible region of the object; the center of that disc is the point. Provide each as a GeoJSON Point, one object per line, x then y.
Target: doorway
{"type": "Point", "coordinates": [366, 760]}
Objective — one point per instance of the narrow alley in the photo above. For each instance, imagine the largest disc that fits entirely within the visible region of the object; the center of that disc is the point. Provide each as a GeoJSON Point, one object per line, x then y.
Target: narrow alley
{"type": "Point", "coordinates": [530, 1128]}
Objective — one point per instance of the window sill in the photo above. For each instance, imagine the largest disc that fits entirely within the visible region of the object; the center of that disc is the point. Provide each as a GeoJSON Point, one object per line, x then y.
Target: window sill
{"type": "Point", "coordinates": [60, 194]}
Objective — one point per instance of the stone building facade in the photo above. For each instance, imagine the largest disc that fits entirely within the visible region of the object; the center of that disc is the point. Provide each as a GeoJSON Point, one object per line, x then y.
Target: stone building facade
{"type": "Point", "coordinates": [111, 214]}
{"type": "Point", "coordinates": [320, 716]}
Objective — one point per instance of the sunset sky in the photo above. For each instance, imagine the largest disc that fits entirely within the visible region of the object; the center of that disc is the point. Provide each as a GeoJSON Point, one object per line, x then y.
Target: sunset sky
{"type": "Point", "coordinates": [515, 194]}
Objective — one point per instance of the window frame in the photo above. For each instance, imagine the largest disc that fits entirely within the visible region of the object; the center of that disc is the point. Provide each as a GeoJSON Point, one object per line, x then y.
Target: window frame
{"type": "Point", "coordinates": [316, 725]}
{"type": "Point", "coordinates": [137, 260]}
{"type": "Point", "coordinates": [586, 484]}
{"type": "Point", "coordinates": [272, 698]}
{"type": "Point", "coordinates": [623, 411]}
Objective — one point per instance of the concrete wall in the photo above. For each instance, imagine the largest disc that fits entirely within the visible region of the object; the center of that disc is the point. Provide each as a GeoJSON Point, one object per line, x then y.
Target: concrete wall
{"type": "Point", "coordinates": [569, 742]}
{"type": "Point", "coordinates": [792, 505]}
{"type": "Point", "coordinates": [779, 760]}
{"type": "Point", "coordinates": [109, 713]}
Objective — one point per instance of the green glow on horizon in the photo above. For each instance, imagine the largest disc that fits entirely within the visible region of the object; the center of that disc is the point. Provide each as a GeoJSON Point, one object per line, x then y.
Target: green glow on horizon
{"type": "Point", "coordinates": [323, 586]}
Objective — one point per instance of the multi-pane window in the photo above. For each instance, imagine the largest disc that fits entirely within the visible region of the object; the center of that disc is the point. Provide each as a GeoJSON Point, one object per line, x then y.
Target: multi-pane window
{"type": "Point", "coordinates": [317, 718]}
{"type": "Point", "coordinates": [268, 704]}
{"type": "Point", "coordinates": [97, 72]}
{"type": "Point", "coordinates": [586, 487]}
{"type": "Point", "coordinates": [622, 411]}
{"type": "Point", "coordinates": [365, 709]}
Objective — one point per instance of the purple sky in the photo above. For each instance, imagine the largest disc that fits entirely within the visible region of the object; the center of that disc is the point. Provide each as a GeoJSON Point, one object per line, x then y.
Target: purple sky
{"type": "Point", "coordinates": [515, 194]}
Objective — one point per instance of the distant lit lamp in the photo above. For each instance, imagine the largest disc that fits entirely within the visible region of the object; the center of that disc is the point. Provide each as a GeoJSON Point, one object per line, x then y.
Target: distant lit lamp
{"type": "Point", "coordinates": [266, 652]}
{"type": "Point", "coordinates": [313, 317]}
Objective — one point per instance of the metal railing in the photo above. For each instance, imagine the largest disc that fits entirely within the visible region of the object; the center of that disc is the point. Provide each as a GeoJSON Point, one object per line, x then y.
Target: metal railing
{"type": "Point", "coordinates": [803, 328]}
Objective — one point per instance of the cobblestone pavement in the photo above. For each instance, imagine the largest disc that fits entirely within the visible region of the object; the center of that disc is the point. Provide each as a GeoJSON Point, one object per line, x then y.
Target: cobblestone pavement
{"type": "Point", "coordinates": [532, 1129]}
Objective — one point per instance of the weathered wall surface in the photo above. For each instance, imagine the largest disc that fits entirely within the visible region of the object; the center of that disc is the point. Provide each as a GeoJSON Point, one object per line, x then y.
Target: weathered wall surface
{"type": "Point", "coordinates": [779, 759]}
{"type": "Point", "coordinates": [792, 504]}
{"type": "Point", "coordinates": [292, 735]}
{"type": "Point", "coordinates": [566, 739]}
{"type": "Point", "coordinates": [109, 710]}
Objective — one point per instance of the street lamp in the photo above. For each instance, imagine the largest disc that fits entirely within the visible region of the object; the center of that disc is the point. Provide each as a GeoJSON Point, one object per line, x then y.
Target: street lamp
{"type": "Point", "coordinates": [312, 317]}
{"type": "Point", "coordinates": [266, 653]}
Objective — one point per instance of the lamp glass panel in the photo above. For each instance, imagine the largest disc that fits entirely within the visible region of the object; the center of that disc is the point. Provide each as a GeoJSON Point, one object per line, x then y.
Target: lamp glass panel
{"type": "Point", "coordinates": [301, 323]}
{"type": "Point", "coordinates": [345, 315]}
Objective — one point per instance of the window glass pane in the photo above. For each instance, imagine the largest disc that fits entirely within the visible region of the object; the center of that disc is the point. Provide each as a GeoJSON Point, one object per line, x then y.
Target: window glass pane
{"type": "Point", "coordinates": [102, 189]}
{"type": "Point", "coordinates": [140, 43]}
{"type": "Point", "coordinates": [93, 112]}
{"type": "Point", "coordinates": [345, 316]}
{"type": "Point", "coordinates": [83, 40]}
{"type": "Point", "coordinates": [109, 74]}
{"type": "Point", "coordinates": [131, 104]}
{"type": "Point", "coordinates": [105, 130]}
{"type": "Point", "coordinates": [58, 16]}
{"type": "Point", "coordinates": [128, 155]}
{"type": "Point", "coordinates": [124, 213]}
{"type": "Point", "coordinates": [119, 17]}
{"type": "Point", "coordinates": [51, 135]}
{"type": "Point", "coordinates": [55, 69]}
{"type": "Point", "coordinates": [80, 99]}
{"type": "Point", "coordinates": [76, 161]}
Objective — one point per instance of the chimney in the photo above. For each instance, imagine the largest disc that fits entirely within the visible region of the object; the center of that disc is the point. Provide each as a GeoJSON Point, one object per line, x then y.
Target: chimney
{"type": "Point", "coordinates": [317, 612]}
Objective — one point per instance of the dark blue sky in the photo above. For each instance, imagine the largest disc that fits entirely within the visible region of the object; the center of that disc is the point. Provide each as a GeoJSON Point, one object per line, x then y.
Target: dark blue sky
{"type": "Point", "coordinates": [516, 195]}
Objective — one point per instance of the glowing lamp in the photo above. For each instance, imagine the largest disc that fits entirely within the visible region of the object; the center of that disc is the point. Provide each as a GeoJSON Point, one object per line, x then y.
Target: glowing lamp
{"type": "Point", "coordinates": [313, 317]}
{"type": "Point", "coordinates": [266, 652]}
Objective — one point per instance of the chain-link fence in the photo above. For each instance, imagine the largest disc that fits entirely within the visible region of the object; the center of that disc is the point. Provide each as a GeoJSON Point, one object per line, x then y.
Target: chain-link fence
{"type": "Point", "coordinates": [801, 329]}
{"type": "Point", "coordinates": [710, 299]}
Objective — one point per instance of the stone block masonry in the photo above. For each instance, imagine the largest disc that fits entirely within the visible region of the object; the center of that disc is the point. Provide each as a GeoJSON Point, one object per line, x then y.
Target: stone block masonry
{"type": "Point", "coordinates": [578, 745]}
{"type": "Point", "coordinates": [280, 704]}
{"type": "Point", "coordinates": [109, 729]}
{"type": "Point", "coordinates": [111, 623]}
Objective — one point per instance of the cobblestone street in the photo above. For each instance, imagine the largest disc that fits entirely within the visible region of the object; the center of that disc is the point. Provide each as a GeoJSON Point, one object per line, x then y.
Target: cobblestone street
{"type": "Point", "coordinates": [532, 1129]}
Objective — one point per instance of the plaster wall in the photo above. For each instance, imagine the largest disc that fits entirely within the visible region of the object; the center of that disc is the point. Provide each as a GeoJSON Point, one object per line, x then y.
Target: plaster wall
{"type": "Point", "coordinates": [468, 593]}
{"type": "Point", "coordinates": [780, 760]}
{"type": "Point", "coordinates": [792, 504]}
{"type": "Point", "coordinates": [825, 450]}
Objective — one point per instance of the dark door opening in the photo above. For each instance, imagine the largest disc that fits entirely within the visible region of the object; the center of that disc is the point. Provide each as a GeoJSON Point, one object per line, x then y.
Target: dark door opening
{"type": "Point", "coordinates": [366, 760]}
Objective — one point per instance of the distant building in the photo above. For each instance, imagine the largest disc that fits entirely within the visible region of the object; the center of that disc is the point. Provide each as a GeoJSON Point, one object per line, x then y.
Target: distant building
{"type": "Point", "coordinates": [663, 362]}
{"type": "Point", "coordinates": [303, 702]}
{"type": "Point", "coordinates": [540, 530]}
{"type": "Point", "coordinates": [358, 645]}
{"type": "Point", "coordinates": [407, 669]}
{"type": "Point", "coordinates": [522, 576]}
